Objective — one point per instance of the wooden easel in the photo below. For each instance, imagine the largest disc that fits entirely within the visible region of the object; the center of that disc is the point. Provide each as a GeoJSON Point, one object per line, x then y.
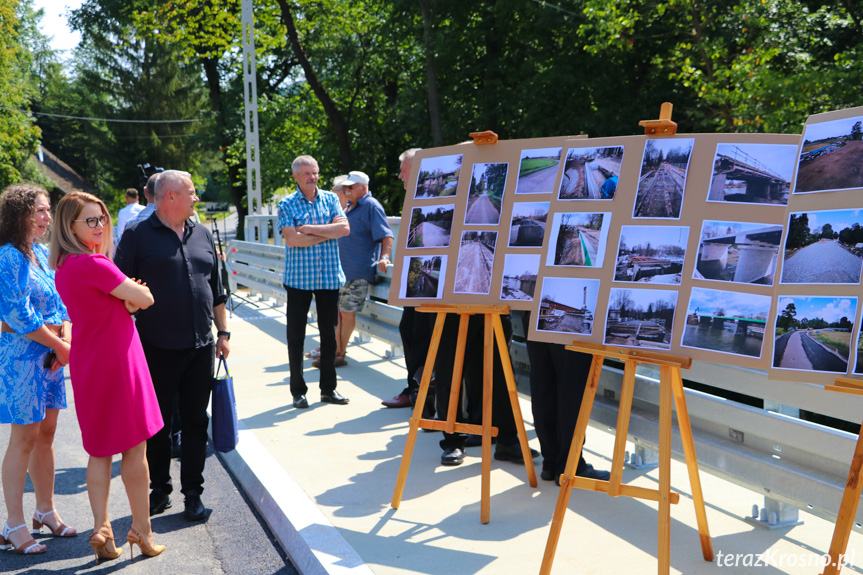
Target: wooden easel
{"type": "Point", "coordinates": [853, 487]}
{"type": "Point", "coordinates": [671, 386]}
{"type": "Point", "coordinates": [493, 324]}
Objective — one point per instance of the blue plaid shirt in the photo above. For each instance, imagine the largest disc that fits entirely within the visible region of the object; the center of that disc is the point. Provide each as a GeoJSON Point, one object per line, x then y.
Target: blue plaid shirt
{"type": "Point", "coordinates": [318, 266]}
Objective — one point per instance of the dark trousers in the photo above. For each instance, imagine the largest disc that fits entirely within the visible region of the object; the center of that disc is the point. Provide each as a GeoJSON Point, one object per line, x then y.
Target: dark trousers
{"type": "Point", "coordinates": [187, 375]}
{"type": "Point", "coordinates": [557, 381]}
{"type": "Point", "coordinates": [327, 304]}
{"type": "Point", "coordinates": [472, 373]}
{"type": "Point", "coordinates": [415, 331]}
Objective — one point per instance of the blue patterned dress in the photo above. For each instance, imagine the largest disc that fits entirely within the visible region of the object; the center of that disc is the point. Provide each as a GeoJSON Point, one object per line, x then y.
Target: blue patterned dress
{"type": "Point", "coordinates": [28, 299]}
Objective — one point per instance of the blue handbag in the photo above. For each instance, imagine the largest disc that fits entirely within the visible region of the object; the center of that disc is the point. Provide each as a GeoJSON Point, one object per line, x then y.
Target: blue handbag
{"type": "Point", "coordinates": [224, 406]}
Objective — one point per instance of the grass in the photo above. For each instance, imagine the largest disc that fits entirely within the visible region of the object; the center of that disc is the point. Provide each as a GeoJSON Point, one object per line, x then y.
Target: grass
{"type": "Point", "coordinates": [839, 340]}
{"type": "Point", "coordinates": [532, 165]}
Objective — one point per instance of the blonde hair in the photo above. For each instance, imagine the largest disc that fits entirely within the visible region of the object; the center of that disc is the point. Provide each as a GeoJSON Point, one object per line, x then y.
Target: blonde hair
{"type": "Point", "coordinates": [63, 241]}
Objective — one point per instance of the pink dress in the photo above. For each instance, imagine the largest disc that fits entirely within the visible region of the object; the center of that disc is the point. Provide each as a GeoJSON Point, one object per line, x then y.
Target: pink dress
{"type": "Point", "coordinates": [114, 397]}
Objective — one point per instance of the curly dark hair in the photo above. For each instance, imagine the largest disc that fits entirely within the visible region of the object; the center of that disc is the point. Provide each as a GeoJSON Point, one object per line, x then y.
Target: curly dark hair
{"type": "Point", "coordinates": [17, 209]}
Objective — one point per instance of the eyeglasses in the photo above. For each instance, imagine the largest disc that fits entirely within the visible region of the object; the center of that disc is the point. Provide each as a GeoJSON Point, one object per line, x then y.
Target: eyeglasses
{"type": "Point", "coordinates": [94, 221]}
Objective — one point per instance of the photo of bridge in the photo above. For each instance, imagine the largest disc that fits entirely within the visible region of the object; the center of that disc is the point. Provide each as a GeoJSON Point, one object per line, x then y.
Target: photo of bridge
{"type": "Point", "coordinates": [739, 252]}
{"type": "Point", "coordinates": [538, 170]}
{"type": "Point", "coordinates": [527, 224]}
{"type": "Point", "coordinates": [519, 277]}
{"type": "Point", "coordinates": [423, 277]}
{"type": "Point", "coordinates": [567, 305]}
{"type": "Point", "coordinates": [726, 322]}
{"type": "Point", "coordinates": [475, 262]}
{"type": "Point", "coordinates": [831, 156]}
{"type": "Point", "coordinates": [591, 173]}
{"type": "Point", "coordinates": [813, 333]}
{"type": "Point", "coordinates": [752, 173]}
{"type": "Point", "coordinates": [663, 178]}
{"type": "Point", "coordinates": [640, 318]}
{"type": "Point", "coordinates": [651, 254]}
{"type": "Point", "coordinates": [438, 176]}
{"type": "Point", "coordinates": [430, 226]}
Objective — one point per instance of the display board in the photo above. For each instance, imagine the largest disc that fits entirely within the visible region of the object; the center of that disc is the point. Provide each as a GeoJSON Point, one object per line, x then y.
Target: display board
{"type": "Point", "coordinates": [674, 243]}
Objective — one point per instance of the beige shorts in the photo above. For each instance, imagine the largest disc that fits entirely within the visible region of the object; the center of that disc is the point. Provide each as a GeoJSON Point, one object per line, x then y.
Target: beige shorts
{"type": "Point", "coordinates": [352, 295]}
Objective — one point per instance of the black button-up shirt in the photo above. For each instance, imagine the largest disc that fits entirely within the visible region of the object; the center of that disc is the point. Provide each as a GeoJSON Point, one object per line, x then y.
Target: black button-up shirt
{"type": "Point", "coordinates": [182, 276]}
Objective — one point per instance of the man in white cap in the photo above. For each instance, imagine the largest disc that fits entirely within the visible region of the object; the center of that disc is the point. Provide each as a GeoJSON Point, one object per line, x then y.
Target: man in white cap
{"type": "Point", "coordinates": [367, 248]}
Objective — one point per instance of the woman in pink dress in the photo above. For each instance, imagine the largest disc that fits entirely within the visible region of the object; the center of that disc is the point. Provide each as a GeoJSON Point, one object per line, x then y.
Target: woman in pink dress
{"type": "Point", "coordinates": [114, 398]}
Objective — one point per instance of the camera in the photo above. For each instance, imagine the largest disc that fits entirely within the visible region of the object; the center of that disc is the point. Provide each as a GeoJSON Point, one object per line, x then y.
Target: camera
{"type": "Point", "coordinates": [145, 171]}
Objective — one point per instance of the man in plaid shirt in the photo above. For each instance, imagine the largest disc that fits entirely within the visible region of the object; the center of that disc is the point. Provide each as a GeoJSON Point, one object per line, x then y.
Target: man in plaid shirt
{"type": "Point", "coordinates": [311, 221]}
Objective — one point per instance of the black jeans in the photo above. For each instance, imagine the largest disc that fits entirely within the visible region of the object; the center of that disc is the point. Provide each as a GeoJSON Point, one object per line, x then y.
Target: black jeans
{"type": "Point", "coordinates": [327, 304]}
{"type": "Point", "coordinates": [415, 331]}
{"type": "Point", "coordinates": [187, 375]}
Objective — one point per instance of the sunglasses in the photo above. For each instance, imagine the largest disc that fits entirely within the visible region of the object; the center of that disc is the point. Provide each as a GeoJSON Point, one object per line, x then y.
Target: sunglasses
{"type": "Point", "coordinates": [95, 221]}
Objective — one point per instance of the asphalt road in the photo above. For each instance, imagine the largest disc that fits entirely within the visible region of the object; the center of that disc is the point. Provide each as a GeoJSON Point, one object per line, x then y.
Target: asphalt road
{"type": "Point", "coordinates": [474, 269]}
{"type": "Point", "coordinates": [232, 540]}
{"type": "Point", "coordinates": [540, 182]}
{"type": "Point", "coordinates": [822, 262]}
{"type": "Point", "coordinates": [482, 211]}
{"type": "Point", "coordinates": [800, 351]}
{"type": "Point", "coordinates": [432, 235]}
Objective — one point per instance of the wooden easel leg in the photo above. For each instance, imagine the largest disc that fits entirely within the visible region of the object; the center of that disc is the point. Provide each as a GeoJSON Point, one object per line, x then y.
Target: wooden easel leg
{"type": "Point", "coordinates": [847, 510]}
{"type": "Point", "coordinates": [571, 464]}
{"type": "Point", "coordinates": [513, 400]}
{"type": "Point", "coordinates": [691, 463]}
{"type": "Point", "coordinates": [418, 411]}
{"type": "Point", "coordinates": [487, 379]}
{"type": "Point", "coordinates": [664, 527]}
{"type": "Point", "coordinates": [624, 410]}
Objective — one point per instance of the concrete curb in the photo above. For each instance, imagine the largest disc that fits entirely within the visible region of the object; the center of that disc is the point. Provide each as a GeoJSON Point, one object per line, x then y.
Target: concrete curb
{"type": "Point", "coordinates": [312, 543]}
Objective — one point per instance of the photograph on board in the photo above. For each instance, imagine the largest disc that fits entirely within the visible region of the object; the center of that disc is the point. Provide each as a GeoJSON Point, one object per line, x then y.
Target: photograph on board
{"type": "Point", "coordinates": [519, 277]}
{"type": "Point", "coordinates": [726, 321]}
{"type": "Point", "coordinates": [831, 156]}
{"type": "Point", "coordinates": [858, 364]}
{"type": "Point", "coordinates": [567, 305]}
{"type": "Point", "coordinates": [738, 252]}
{"type": "Point", "coordinates": [578, 239]}
{"type": "Point", "coordinates": [487, 182]}
{"type": "Point", "coordinates": [663, 178]}
{"type": "Point", "coordinates": [423, 277]}
{"type": "Point", "coordinates": [438, 176]}
{"type": "Point", "coordinates": [823, 247]}
{"type": "Point", "coordinates": [813, 333]}
{"type": "Point", "coordinates": [591, 173]}
{"type": "Point", "coordinates": [752, 173]}
{"type": "Point", "coordinates": [640, 318]}
{"type": "Point", "coordinates": [475, 264]}
{"type": "Point", "coordinates": [537, 170]}
{"type": "Point", "coordinates": [651, 254]}
{"type": "Point", "coordinates": [527, 224]}
{"type": "Point", "coordinates": [430, 226]}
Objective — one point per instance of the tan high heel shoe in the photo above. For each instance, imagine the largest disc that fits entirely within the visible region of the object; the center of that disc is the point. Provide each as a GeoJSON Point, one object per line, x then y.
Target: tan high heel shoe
{"type": "Point", "coordinates": [135, 539]}
{"type": "Point", "coordinates": [100, 540]}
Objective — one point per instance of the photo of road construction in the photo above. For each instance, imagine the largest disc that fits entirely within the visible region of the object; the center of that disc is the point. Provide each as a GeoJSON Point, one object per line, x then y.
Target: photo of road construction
{"type": "Point", "coordinates": [475, 262]}
{"type": "Point", "coordinates": [519, 277]}
{"type": "Point", "coordinates": [823, 247]}
{"type": "Point", "coordinates": [726, 322]}
{"type": "Point", "coordinates": [651, 254]}
{"type": "Point", "coordinates": [578, 239]}
{"type": "Point", "coordinates": [487, 182]}
{"type": "Point", "coordinates": [640, 318]}
{"type": "Point", "coordinates": [431, 226]}
{"type": "Point", "coordinates": [537, 170]}
{"type": "Point", "coordinates": [739, 252]}
{"type": "Point", "coordinates": [567, 305]}
{"type": "Point", "coordinates": [423, 276]}
{"type": "Point", "coordinates": [858, 364]}
{"type": "Point", "coordinates": [591, 173]}
{"type": "Point", "coordinates": [814, 333]}
{"type": "Point", "coordinates": [663, 178]}
{"type": "Point", "coordinates": [527, 224]}
{"type": "Point", "coordinates": [831, 156]}
{"type": "Point", "coordinates": [752, 173]}
{"type": "Point", "coordinates": [438, 176]}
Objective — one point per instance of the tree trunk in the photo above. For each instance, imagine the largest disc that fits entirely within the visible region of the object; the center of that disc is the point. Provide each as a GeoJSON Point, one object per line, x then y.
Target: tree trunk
{"type": "Point", "coordinates": [431, 72]}
{"type": "Point", "coordinates": [337, 122]}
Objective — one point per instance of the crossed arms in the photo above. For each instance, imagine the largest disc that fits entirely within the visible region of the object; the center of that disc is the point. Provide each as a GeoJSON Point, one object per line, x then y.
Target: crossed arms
{"type": "Point", "coordinates": [310, 235]}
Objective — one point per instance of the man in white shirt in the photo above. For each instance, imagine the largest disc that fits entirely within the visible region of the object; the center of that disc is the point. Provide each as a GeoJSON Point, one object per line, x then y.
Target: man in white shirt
{"type": "Point", "coordinates": [128, 213]}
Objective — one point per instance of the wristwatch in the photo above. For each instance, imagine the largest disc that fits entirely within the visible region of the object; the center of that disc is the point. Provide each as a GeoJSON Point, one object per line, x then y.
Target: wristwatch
{"type": "Point", "coordinates": [227, 334]}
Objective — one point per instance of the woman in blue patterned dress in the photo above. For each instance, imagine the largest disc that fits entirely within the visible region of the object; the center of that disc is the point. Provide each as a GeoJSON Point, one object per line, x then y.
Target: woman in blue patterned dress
{"type": "Point", "coordinates": [35, 323]}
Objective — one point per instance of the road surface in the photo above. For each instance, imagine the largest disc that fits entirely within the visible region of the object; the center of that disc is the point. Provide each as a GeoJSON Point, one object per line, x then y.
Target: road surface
{"type": "Point", "coordinates": [482, 211]}
{"type": "Point", "coordinates": [540, 182]}
{"type": "Point", "coordinates": [474, 269]}
{"type": "Point", "coordinates": [802, 351]}
{"type": "Point", "coordinates": [824, 261]}
{"type": "Point", "coordinates": [660, 195]}
{"type": "Point", "coordinates": [431, 236]}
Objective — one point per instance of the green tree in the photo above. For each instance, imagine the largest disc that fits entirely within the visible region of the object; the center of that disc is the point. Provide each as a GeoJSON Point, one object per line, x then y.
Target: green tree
{"type": "Point", "coordinates": [786, 319]}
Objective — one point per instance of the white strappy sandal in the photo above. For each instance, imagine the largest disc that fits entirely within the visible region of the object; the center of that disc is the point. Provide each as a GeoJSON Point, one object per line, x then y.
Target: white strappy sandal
{"type": "Point", "coordinates": [29, 547]}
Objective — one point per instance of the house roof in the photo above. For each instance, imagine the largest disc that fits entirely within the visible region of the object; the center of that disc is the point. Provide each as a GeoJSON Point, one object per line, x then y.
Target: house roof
{"type": "Point", "coordinates": [64, 177]}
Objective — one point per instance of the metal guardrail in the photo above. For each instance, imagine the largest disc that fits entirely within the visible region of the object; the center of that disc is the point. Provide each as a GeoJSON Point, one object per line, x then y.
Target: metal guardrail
{"type": "Point", "coordinates": [793, 463]}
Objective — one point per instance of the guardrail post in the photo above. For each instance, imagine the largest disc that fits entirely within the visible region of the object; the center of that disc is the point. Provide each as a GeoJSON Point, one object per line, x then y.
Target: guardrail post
{"type": "Point", "coordinates": [775, 515]}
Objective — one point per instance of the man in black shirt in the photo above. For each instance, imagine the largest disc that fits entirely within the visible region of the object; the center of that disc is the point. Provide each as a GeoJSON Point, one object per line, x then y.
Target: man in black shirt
{"type": "Point", "coordinates": [178, 261]}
